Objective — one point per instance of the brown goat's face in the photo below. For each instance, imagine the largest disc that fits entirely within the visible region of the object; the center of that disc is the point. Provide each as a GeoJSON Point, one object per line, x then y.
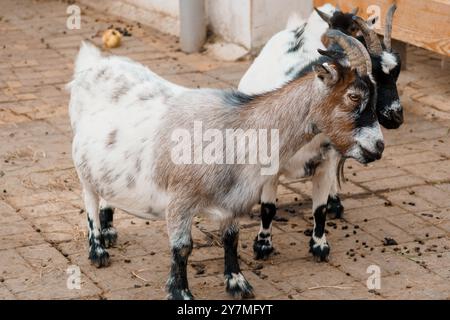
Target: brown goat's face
{"type": "Point", "coordinates": [347, 115]}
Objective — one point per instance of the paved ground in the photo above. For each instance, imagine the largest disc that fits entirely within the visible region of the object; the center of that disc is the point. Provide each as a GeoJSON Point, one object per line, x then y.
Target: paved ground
{"type": "Point", "coordinates": [405, 196]}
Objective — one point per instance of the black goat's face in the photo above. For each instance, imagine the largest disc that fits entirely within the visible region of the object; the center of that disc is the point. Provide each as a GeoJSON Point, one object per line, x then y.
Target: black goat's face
{"type": "Point", "coordinates": [386, 67]}
{"type": "Point", "coordinates": [340, 21]}
{"type": "Point", "coordinates": [344, 23]}
{"type": "Point", "coordinates": [385, 70]}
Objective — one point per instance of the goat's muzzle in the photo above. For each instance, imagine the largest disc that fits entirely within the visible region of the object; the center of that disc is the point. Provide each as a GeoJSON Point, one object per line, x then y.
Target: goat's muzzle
{"type": "Point", "coordinates": [370, 156]}
{"type": "Point", "coordinates": [393, 120]}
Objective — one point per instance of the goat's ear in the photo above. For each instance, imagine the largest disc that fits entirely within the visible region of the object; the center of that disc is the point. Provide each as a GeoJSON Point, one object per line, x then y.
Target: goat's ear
{"type": "Point", "coordinates": [327, 73]}
{"type": "Point", "coordinates": [325, 17]}
{"type": "Point", "coordinates": [371, 21]}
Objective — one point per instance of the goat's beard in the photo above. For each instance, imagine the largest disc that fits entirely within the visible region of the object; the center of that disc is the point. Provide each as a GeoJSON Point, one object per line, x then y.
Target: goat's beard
{"type": "Point", "coordinates": [340, 170]}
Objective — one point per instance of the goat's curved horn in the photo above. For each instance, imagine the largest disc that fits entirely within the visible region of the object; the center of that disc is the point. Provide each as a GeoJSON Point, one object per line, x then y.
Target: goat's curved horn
{"type": "Point", "coordinates": [355, 11]}
{"type": "Point", "coordinates": [333, 54]}
{"type": "Point", "coordinates": [388, 27]}
{"type": "Point", "coordinates": [354, 50]}
{"type": "Point", "coordinates": [325, 17]}
{"type": "Point", "coordinates": [370, 36]}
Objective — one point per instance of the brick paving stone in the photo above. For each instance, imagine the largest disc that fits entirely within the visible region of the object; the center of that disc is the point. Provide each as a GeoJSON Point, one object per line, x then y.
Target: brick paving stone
{"type": "Point", "coordinates": [437, 217]}
{"type": "Point", "coordinates": [404, 196]}
{"type": "Point", "coordinates": [116, 278]}
{"type": "Point", "coordinates": [368, 213]}
{"type": "Point", "coordinates": [353, 290]}
{"type": "Point", "coordinates": [381, 228]}
{"type": "Point", "coordinates": [263, 288]}
{"type": "Point", "coordinates": [444, 186]}
{"type": "Point", "coordinates": [406, 287]}
{"type": "Point", "coordinates": [438, 172]}
{"type": "Point", "coordinates": [50, 209]}
{"type": "Point", "coordinates": [140, 293]}
{"type": "Point", "coordinates": [433, 195]}
{"type": "Point", "coordinates": [18, 227]}
{"type": "Point", "coordinates": [19, 201]}
{"type": "Point", "coordinates": [410, 159]}
{"type": "Point", "coordinates": [443, 272]}
{"type": "Point", "coordinates": [8, 214]}
{"type": "Point", "coordinates": [353, 269]}
{"type": "Point", "coordinates": [55, 229]}
{"type": "Point", "coordinates": [369, 175]}
{"type": "Point", "coordinates": [406, 200]}
{"type": "Point", "coordinates": [38, 286]}
{"type": "Point", "coordinates": [415, 226]}
{"type": "Point", "coordinates": [300, 275]}
{"type": "Point", "coordinates": [20, 240]}
{"type": "Point", "coordinates": [393, 183]}
{"type": "Point", "coordinates": [393, 263]}
{"type": "Point", "coordinates": [13, 264]}
{"type": "Point", "coordinates": [362, 201]}
{"type": "Point", "coordinates": [293, 222]}
{"type": "Point", "coordinates": [341, 241]}
{"type": "Point", "coordinates": [5, 294]}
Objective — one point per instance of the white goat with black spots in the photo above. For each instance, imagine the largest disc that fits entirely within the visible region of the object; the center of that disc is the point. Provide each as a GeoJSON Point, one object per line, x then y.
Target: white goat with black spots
{"type": "Point", "coordinates": [124, 116]}
{"type": "Point", "coordinates": [285, 56]}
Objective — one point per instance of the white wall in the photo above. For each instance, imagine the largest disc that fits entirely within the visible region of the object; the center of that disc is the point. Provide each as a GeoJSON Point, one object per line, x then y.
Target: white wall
{"type": "Point", "coordinates": [169, 7]}
{"type": "Point", "coordinates": [231, 19]}
{"type": "Point", "coordinates": [248, 23]}
{"type": "Point", "coordinates": [270, 16]}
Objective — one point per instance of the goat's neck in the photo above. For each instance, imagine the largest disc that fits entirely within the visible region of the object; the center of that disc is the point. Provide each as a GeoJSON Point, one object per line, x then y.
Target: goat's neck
{"type": "Point", "coordinates": [291, 110]}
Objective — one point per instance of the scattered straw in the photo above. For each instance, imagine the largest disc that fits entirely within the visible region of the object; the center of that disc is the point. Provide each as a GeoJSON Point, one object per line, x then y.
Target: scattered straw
{"type": "Point", "coordinates": [67, 181]}
{"type": "Point", "coordinates": [330, 287]}
{"type": "Point", "coordinates": [27, 154]}
{"type": "Point", "coordinates": [138, 276]}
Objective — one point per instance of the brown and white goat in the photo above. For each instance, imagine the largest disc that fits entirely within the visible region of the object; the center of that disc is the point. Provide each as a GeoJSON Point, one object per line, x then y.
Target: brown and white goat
{"type": "Point", "coordinates": [124, 118]}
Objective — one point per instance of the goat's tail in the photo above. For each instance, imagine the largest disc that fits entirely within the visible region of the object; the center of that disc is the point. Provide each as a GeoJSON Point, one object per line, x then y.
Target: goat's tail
{"type": "Point", "coordinates": [88, 56]}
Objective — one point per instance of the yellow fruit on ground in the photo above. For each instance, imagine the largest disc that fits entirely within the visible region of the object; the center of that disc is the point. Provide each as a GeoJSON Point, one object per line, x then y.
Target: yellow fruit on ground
{"type": "Point", "coordinates": [111, 38]}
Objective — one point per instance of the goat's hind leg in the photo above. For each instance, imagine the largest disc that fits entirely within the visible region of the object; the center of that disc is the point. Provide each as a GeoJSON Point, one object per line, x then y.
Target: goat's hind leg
{"type": "Point", "coordinates": [109, 233]}
{"type": "Point", "coordinates": [97, 253]}
{"type": "Point", "coordinates": [236, 284]}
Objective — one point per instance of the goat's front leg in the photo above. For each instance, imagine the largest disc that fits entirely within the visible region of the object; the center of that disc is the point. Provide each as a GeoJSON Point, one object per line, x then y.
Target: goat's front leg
{"type": "Point", "coordinates": [236, 284]}
{"type": "Point", "coordinates": [179, 225]}
{"type": "Point", "coordinates": [97, 253]}
{"type": "Point", "coordinates": [335, 209]}
{"type": "Point", "coordinates": [322, 181]}
{"type": "Point", "coordinates": [109, 233]}
{"type": "Point", "coordinates": [262, 245]}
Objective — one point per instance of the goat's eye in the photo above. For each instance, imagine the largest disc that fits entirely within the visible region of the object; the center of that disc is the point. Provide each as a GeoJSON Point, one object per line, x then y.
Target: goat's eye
{"type": "Point", "coordinates": [354, 97]}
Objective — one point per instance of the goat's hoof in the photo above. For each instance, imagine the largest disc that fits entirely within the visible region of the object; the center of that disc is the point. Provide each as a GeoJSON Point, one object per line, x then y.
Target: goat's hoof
{"type": "Point", "coordinates": [262, 249]}
{"type": "Point", "coordinates": [109, 236]}
{"type": "Point", "coordinates": [335, 209]}
{"type": "Point", "coordinates": [320, 251]}
{"type": "Point", "coordinates": [99, 257]}
{"type": "Point", "coordinates": [180, 294]}
{"type": "Point", "coordinates": [238, 287]}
